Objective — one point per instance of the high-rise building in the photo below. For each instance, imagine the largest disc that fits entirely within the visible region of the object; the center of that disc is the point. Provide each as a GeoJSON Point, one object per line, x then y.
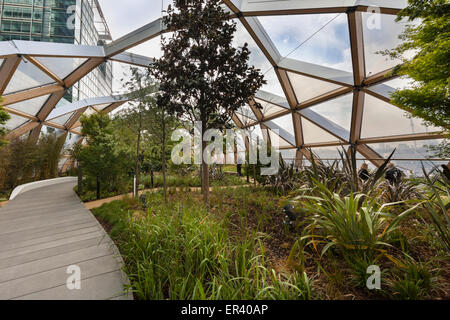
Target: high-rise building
{"type": "Point", "coordinates": [63, 21]}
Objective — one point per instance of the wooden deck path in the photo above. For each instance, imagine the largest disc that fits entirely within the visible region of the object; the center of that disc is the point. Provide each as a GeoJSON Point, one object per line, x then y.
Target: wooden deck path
{"type": "Point", "coordinates": [43, 232]}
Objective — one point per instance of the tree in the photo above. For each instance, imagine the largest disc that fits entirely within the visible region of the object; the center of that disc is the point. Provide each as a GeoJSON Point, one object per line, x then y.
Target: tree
{"type": "Point", "coordinates": [4, 117]}
{"type": "Point", "coordinates": [429, 68]}
{"type": "Point", "coordinates": [100, 157]}
{"type": "Point", "coordinates": [137, 118]}
{"type": "Point", "coordinates": [202, 76]}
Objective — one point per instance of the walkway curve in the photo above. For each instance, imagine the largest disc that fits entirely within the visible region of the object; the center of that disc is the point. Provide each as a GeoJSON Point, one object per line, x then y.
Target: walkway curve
{"type": "Point", "coordinates": [46, 230]}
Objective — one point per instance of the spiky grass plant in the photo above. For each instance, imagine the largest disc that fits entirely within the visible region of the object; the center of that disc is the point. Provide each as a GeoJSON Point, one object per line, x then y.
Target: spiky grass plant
{"type": "Point", "coordinates": [185, 253]}
{"type": "Point", "coordinates": [354, 222]}
{"type": "Point", "coordinates": [436, 208]}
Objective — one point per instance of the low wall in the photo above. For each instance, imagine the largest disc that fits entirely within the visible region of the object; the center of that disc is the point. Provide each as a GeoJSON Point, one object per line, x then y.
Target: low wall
{"type": "Point", "coordinates": [39, 184]}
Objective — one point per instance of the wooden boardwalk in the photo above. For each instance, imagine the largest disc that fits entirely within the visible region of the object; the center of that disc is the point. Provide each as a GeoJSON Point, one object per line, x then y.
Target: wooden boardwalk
{"type": "Point", "coordinates": [42, 233]}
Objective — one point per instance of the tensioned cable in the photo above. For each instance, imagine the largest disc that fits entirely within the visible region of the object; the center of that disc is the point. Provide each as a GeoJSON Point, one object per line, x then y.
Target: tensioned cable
{"type": "Point", "coordinates": [306, 40]}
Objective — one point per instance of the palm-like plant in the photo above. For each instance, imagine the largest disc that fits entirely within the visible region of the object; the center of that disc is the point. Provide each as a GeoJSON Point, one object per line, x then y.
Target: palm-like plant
{"type": "Point", "coordinates": [354, 222]}
{"type": "Point", "coordinates": [285, 180]}
{"type": "Point", "coordinates": [436, 207]}
{"type": "Point", "coordinates": [403, 191]}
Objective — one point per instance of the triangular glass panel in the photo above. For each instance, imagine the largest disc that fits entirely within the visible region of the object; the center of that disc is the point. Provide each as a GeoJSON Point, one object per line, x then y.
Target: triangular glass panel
{"type": "Point", "coordinates": [286, 127]}
{"type": "Point", "coordinates": [89, 112]}
{"type": "Point", "coordinates": [61, 67]}
{"type": "Point", "coordinates": [277, 141]}
{"type": "Point", "coordinates": [245, 120]}
{"type": "Point", "coordinates": [321, 39]}
{"type": "Point", "coordinates": [386, 89]}
{"type": "Point", "coordinates": [258, 60]}
{"type": "Point", "coordinates": [338, 111]}
{"type": "Point", "coordinates": [27, 76]}
{"type": "Point", "coordinates": [307, 88]}
{"type": "Point", "coordinates": [381, 33]}
{"type": "Point", "coordinates": [63, 102]}
{"type": "Point", "coordinates": [31, 106]}
{"type": "Point", "coordinates": [407, 151]}
{"type": "Point", "coordinates": [314, 134]}
{"type": "Point", "coordinates": [63, 119]}
{"type": "Point", "coordinates": [269, 109]}
{"type": "Point", "coordinates": [289, 156]}
{"type": "Point", "coordinates": [327, 153]}
{"type": "Point", "coordinates": [101, 107]}
{"type": "Point", "coordinates": [382, 119]}
{"type": "Point", "coordinates": [14, 122]}
{"type": "Point", "coordinates": [246, 111]}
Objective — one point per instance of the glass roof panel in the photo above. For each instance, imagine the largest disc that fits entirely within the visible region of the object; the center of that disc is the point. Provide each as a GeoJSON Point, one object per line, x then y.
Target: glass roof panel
{"type": "Point", "coordinates": [27, 76]}
{"type": "Point", "coordinates": [258, 59]}
{"type": "Point", "coordinates": [247, 112]}
{"type": "Point", "coordinates": [63, 119]}
{"type": "Point", "coordinates": [327, 153]}
{"type": "Point", "coordinates": [314, 134]}
{"type": "Point", "coordinates": [62, 67]}
{"type": "Point", "coordinates": [31, 106]}
{"type": "Point", "coordinates": [315, 38]}
{"type": "Point", "coordinates": [387, 88]}
{"type": "Point", "coordinates": [381, 33]}
{"type": "Point", "coordinates": [100, 107]}
{"type": "Point", "coordinates": [307, 88]}
{"type": "Point", "coordinates": [14, 122]}
{"type": "Point", "coordinates": [289, 156]}
{"type": "Point", "coordinates": [89, 111]}
{"type": "Point", "coordinates": [276, 140]}
{"type": "Point", "coordinates": [382, 119]}
{"type": "Point", "coordinates": [245, 120]}
{"type": "Point", "coordinates": [286, 123]}
{"type": "Point", "coordinates": [407, 152]}
{"type": "Point", "coordinates": [338, 110]}
{"type": "Point", "coordinates": [269, 109]}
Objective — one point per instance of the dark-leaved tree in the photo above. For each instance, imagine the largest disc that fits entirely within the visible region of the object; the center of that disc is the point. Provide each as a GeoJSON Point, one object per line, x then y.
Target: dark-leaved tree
{"type": "Point", "coordinates": [202, 76]}
{"type": "Point", "coordinates": [4, 116]}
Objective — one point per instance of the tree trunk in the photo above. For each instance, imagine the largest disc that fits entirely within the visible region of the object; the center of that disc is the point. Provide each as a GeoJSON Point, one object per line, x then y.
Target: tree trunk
{"type": "Point", "coordinates": [138, 151]}
{"type": "Point", "coordinates": [80, 180]}
{"type": "Point", "coordinates": [164, 156]}
{"type": "Point", "coordinates": [247, 171]}
{"type": "Point", "coordinates": [98, 188]}
{"type": "Point", "coordinates": [254, 175]}
{"type": "Point", "coordinates": [152, 178]}
{"type": "Point", "coordinates": [205, 169]}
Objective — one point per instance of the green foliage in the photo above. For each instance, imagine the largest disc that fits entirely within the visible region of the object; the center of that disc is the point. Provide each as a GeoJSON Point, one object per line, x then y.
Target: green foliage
{"type": "Point", "coordinates": [404, 191]}
{"type": "Point", "coordinates": [349, 223]}
{"type": "Point", "coordinates": [184, 253]}
{"type": "Point", "coordinates": [286, 179]}
{"type": "Point", "coordinates": [4, 116]}
{"type": "Point", "coordinates": [23, 161]}
{"type": "Point", "coordinates": [412, 282]}
{"type": "Point", "coordinates": [436, 208]}
{"type": "Point", "coordinates": [429, 97]}
{"type": "Point", "coordinates": [202, 76]}
{"type": "Point", "coordinates": [101, 157]}
{"type": "Point", "coordinates": [344, 179]}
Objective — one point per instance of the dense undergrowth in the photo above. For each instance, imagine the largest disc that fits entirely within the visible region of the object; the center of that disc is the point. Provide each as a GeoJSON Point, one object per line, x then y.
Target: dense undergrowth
{"type": "Point", "coordinates": [173, 181]}
{"type": "Point", "coordinates": [184, 252]}
{"type": "Point", "coordinates": [241, 247]}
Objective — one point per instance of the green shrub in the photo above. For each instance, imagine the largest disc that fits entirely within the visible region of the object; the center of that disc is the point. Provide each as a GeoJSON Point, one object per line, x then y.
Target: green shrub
{"type": "Point", "coordinates": [413, 282]}
{"type": "Point", "coordinates": [355, 222]}
{"type": "Point", "coordinates": [184, 253]}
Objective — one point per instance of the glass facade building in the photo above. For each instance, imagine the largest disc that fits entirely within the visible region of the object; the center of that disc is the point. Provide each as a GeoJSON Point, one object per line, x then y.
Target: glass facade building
{"type": "Point", "coordinates": [61, 21]}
